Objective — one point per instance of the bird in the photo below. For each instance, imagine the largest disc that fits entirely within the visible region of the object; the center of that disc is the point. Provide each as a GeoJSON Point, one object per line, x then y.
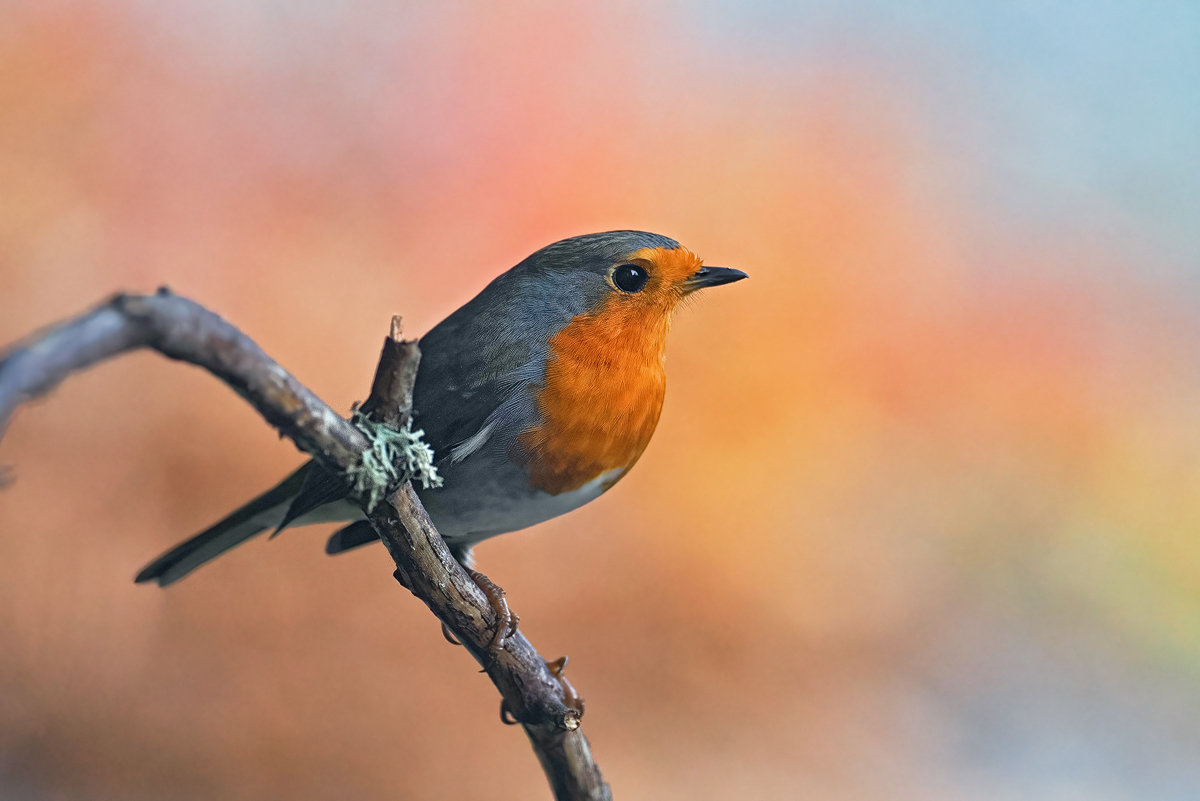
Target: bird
{"type": "Point", "coordinates": [536, 396]}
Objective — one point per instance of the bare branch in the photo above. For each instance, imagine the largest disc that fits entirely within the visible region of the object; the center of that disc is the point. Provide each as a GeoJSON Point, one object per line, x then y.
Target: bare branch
{"type": "Point", "coordinates": [531, 693]}
{"type": "Point", "coordinates": [180, 329]}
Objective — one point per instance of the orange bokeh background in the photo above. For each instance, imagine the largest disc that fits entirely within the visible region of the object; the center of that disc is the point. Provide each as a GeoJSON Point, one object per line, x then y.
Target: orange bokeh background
{"type": "Point", "coordinates": [919, 520]}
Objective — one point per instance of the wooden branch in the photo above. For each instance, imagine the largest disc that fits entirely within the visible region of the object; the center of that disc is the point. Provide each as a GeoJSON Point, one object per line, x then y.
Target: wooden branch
{"type": "Point", "coordinates": [539, 698]}
{"type": "Point", "coordinates": [179, 329]}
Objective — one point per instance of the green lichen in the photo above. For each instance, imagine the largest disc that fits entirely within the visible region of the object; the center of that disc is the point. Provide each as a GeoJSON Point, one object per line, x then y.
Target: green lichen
{"type": "Point", "coordinates": [395, 456]}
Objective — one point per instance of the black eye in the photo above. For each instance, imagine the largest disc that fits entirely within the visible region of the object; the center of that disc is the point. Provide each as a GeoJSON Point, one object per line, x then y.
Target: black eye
{"type": "Point", "coordinates": [630, 278]}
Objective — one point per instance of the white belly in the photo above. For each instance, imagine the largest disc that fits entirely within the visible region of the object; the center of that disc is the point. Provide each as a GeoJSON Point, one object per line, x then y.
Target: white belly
{"type": "Point", "coordinates": [481, 501]}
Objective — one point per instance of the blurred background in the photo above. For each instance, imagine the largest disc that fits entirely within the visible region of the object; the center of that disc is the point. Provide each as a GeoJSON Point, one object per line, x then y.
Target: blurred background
{"type": "Point", "coordinates": [921, 517]}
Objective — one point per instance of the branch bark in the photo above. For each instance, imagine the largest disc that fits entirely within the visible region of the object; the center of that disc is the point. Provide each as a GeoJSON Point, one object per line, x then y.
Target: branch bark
{"type": "Point", "coordinates": [532, 693]}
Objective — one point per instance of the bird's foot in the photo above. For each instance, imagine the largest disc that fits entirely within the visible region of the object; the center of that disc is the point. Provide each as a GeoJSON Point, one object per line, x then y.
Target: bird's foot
{"type": "Point", "coordinates": [506, 621]}
{"type": "Point", "coordinates": [571, 698]}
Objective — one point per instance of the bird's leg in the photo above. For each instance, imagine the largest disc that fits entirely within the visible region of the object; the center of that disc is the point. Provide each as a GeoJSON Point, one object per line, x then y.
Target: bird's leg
{"type": "Point", "coordinates": [571, 698]}
{"type": "Point", "coordinates": [495, 596]}
{"type": "Point", "coordinates": [506, 621]}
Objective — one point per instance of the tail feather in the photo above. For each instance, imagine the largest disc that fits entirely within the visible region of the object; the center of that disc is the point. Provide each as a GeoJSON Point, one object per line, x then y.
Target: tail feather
{"type": "Point", "coordinates": [265, 511]}
{"type": "Point", "coordinates": [355, 535]}
{"type": "Point", "coordinates": [319, 489]}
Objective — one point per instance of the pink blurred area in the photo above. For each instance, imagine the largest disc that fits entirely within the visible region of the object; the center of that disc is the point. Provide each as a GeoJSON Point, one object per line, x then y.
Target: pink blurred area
{"type": "Point", "coordinates": [894, 494]}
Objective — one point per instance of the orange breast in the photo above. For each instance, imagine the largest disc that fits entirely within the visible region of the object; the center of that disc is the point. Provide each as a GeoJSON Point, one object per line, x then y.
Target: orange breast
{"type": "Point", "coordinates": [602, 396]}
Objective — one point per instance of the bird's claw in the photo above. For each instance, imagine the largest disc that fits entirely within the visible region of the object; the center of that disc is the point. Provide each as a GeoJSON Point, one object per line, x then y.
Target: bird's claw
{"type": "Point", "coordinates": [399, 577]}
{"type": "Point", "coordinates": [571, 698]}
{"type": "Point", "coordinates": [506, 621]}
{"type": "Point", "coordinates": [449, 635]}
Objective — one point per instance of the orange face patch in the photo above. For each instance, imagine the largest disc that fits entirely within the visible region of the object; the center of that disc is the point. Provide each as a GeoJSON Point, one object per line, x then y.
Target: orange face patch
{"type": "Point", "coordinates": [668, 271]}
{"type": "Point", "coordinates": [605, 380]}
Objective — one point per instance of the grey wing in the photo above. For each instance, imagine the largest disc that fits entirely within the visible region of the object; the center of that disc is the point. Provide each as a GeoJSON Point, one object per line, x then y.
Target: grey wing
{"type": "Point", "coordinates": [476, 380]}
{"type": "Point", "coordinates": [472, 393]}
{"type": "Point", "coordinates": [468, 379]}
{"type": "Point", "coordinates": [481, 366]}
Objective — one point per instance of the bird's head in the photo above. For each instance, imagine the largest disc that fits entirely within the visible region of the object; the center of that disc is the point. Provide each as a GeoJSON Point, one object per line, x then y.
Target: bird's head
{"type": "Point", "coordinates": [631, 280]}
{"type": "Point", "coordinates": [611, 293]}
{"type": "Point", "coordinates": [559, 361]}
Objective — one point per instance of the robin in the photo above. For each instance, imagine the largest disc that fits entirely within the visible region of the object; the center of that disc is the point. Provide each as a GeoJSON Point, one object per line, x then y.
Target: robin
{"type": "Point", "coordinates": [536, 396]}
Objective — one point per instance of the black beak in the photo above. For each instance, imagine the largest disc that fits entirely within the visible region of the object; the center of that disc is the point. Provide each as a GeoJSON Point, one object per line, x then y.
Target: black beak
{"type": "Point", "coordinates": [712, 276]}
